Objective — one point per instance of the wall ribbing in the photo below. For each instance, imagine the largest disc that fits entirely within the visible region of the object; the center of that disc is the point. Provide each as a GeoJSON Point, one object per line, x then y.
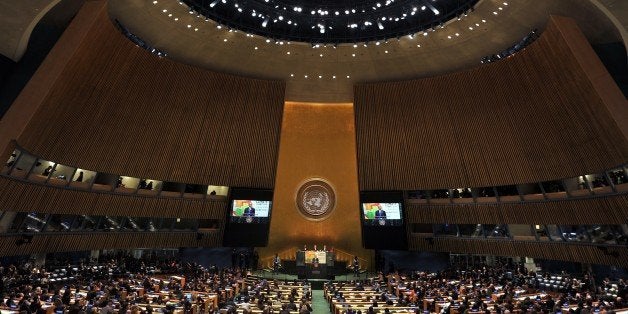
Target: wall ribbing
{"type": "Point", "coordinates": [533, 117]}
{"type": "Point", "coordinates": [117, 108]}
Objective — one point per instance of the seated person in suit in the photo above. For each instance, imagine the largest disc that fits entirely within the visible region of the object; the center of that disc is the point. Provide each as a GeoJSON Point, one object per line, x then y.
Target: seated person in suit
{"type": "Point", "coordinates": [380, 214]}
{"type": "Point", "coordinates": [249, 211]}
{"type": "Point", "coordinates": [315, 262]}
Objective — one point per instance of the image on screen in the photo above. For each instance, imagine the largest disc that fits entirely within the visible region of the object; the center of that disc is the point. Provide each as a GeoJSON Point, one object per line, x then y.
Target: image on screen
{"type": "Point", "coordinates": [250, 208]}
{"type": "Point", "coordinates": [381, 213]}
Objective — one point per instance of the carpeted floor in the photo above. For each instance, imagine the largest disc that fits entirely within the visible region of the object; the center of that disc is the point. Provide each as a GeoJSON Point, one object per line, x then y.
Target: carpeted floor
{"type": "Point", "coordinates": [319, 304]}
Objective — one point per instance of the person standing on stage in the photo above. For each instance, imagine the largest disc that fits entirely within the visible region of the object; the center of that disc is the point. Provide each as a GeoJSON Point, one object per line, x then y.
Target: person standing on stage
{"type": "Point", "coordinates": [276, 263]}
{"type": "Point", "coordinates": [356, 265]}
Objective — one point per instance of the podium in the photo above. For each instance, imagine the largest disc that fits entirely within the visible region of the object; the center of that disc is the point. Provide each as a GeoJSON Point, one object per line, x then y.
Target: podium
{"type": "Point", "coordinates": [315, 264]}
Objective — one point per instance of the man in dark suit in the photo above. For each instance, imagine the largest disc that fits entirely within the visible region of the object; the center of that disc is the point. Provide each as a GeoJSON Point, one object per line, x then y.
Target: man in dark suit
{"type": "Point", "coordinates": [249, 211]}
{"type": "Point", "coordinates": [380, 214]}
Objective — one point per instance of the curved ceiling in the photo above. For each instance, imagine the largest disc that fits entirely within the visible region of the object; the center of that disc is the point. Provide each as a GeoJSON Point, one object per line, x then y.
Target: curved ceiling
{"type": "Point", "coordinates": [18, 22]}
{"type": "Point", "coordinates": [327, 74]}
{"type": "Point", "coordinates": [331, 22]}
{"type": "Point", "coordinates": [203, 44]}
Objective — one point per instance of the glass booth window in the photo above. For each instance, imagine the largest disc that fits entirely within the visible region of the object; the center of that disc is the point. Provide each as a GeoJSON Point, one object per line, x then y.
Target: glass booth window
{"type": "Point", "coordinates": [43, 169]}
{"type": "Point", "coordinates": [462, 193]}
{"type": "Point", "coordinates": [85, 222]}
{"type": "Point", "coordinates": [84, 176]}
{"type": "Point", "coordinates": [423, 228]}
{"type": "Point", "coordinates": [11, 161]}
{"type": "Point", "coordinates": [61, 174]}
{"type": "Point", "coordinates": [554, 232]}
{"type": "Point", "coordinates": [58, 222]}
{"type": "Point", "coordinates": [109, 223]}
{"type": "Point", "coordinates": [606, 234]}
{"type": "Point", "coordinates": [574, 233]}
{"type": "Point", "coordinates": [496, 231]}
{"type": "Point", "coordinates": [553, 186]}
{"type": "Point", "coordinates": [218, 190]}
{"type": "Point", "coordinates": [597, 180]}
{"type": "Point", "coordinates": [486, 192]}
{"type": "Point", "coordinates": [471, 230]}
{"type": "Point", "coordinates": [541, 232]}
{"type": "Point", "coordinates": [507, 190]}
{"type": "Point", "coordinates": [618, 176]}
{"type": "Point", "coordinates": [445, 230]}
{"type": "Point", "coordinates": [181, 224]}
{"type": "Point", "coordinates": [23, 165]}
{"type": "Point", "coordinates": [34, 222]}
{"type": "Point", "coordinates": [521, 232]}
{"type": "Point", "coordinates": [132, 224]}
{"type": "Point", "coordinates": [440, 194]}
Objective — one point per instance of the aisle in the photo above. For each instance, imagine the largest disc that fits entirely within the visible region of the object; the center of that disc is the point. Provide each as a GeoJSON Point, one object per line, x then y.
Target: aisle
{"type": "Point", "coordinates": [319, 304]}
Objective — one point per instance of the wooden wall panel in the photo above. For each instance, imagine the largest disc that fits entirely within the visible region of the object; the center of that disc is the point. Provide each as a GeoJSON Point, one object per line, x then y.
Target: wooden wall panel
{"type": "Point", "coordinates": [20, 196]}
{"type": "Point", "coordinates": [580, 253]}
{"type": "Point", "coordinates": [607, 209]}
{"type": "Point", "coordinates": [99, 240]}
{"type": "Point", "coordinates": [533, 117]}
{"type": "Point", "coordinates": [117, 108]}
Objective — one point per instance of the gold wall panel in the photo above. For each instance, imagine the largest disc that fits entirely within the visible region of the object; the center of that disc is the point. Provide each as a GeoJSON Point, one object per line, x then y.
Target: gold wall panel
{"type": "Point", "coordinates": [317, 141]}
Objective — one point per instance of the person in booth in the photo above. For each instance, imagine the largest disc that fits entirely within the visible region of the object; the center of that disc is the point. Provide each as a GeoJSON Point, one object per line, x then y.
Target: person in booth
{"type": "Point", "coordinates": [249, 211]}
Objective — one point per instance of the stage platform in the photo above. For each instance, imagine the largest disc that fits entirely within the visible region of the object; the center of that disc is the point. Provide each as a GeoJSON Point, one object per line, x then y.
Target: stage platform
{"type": "Point", "coordinates": [317, 284]}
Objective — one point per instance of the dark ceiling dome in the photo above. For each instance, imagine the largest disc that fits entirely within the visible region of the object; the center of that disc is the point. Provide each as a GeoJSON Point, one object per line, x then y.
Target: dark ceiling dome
{"type": "Point", "coordinates": [331, 22]}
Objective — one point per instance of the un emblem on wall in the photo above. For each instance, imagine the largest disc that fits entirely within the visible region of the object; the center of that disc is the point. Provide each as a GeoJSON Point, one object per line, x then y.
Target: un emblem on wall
{"type": "Point", "coordinates": [315, 199]}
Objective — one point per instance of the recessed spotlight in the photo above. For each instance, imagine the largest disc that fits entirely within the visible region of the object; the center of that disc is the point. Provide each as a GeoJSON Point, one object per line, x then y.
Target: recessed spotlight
{"type": "Point", "coordinates": [321, 55]}
{"type": "Point", "coordinates": [305, 76]}
{"type": "Point", "coordinates": [320, 76]}
{"type": "Point", "coordinates": [176, 18]}
{"type": "Point", "coordinates": [348, 76]}
{"type": "Point", "coordinates": [291, 75]}
{"type": "Point", "coordinates": [255, 47]}
{"type": "Point", "coordinates": [353, 54]}
{"type": "Point", "coordinates": [225, 40]}
{"type": "Point", "coordinates": [385, 51]}
{"type": "Point", "coordinates": [333, 77]}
